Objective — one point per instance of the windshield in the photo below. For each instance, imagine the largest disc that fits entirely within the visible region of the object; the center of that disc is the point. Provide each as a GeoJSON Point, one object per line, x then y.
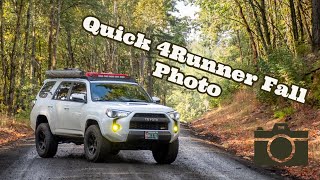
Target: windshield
{"type": "Point", "coordinates": [118, 92]}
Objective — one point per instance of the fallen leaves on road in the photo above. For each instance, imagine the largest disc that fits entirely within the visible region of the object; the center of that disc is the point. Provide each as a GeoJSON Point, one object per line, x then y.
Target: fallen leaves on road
{"type": "Point", "coordinates": [233, 126]}
{"type": "Point", "coordinates": [11, 130]}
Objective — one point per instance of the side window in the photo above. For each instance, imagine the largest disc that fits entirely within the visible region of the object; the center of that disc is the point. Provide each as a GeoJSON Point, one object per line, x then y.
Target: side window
{"type": "Point", "coordinates": [78, 88]}
{"type": "Point", "coordinates": [63, 91]}
{"type": "Point", "coordinates": [46, 89]}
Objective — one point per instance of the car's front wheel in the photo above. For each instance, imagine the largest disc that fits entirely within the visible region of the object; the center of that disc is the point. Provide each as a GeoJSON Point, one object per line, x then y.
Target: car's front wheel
{"type": "Point", "coordinates": [46, 144]}
{"type": "Point", "coordinates": [166, 153]}
{"type": "Point", "coordinates": [96, 147]}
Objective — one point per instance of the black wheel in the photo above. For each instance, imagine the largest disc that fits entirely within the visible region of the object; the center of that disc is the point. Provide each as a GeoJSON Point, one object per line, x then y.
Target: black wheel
{"type": "Point", "coordinates": [96, 147]}
{"type": "Point", "coordinates": [46, 144]}
{"type": "Point", "coordinates": [166, 153]}
{"type": "Point", "coordinates": [115, 152]}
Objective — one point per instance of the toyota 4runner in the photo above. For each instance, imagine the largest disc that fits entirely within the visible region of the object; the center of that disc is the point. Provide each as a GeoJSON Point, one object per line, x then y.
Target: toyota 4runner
{"type": "Point", "coordinates": [105, 112]}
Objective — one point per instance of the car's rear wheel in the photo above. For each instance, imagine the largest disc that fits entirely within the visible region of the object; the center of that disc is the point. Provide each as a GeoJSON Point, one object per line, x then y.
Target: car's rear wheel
{"type": "Point", "coordinates": [166, 153]}
{"type": "Point", "coordinates": [46, 144]}
{"type": "Point", "coordinates": [96, 147]}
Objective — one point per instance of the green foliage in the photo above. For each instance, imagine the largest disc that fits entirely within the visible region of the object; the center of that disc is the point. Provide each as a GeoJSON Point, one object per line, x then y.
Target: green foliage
{"type": "Point", "coordinates": [282, 65]}
{"type": "Point", "coordinates": [303, 49]}
{"type": "Point", "coordinates": [282, 113]}
{"type": "Point", "coordinates": [71, 46]}
{"type": "Point", "coordinates": [225, 37]}
{"type": "Point", "coordinates": [190, 104]}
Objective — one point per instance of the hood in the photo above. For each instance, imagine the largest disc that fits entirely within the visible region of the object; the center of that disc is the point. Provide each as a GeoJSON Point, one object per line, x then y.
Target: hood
{"type": "Point", "coordinates": [136, 106]}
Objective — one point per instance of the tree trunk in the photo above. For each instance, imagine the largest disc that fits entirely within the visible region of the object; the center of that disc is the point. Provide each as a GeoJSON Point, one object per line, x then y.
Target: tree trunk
{"type": "Point", "coordinates": [2, 56]}
{"type": "Point", "coordinates": [34, 64]}
{"type": "Point", "coordinates": [114, 52]}
{"type": "Point", "coordinates": [306, 24]}
{"type": "Point", "coordinates": [239, 46]}
{"type": "Point", "coordinates": [293, 21]}
{"type": "Point", "coordinates": [56, 35]}
{"type": "Point", "coordinates": [300, 21]}
{"type": "Point", "coordinates": [70, 51]}
{"type": "Point", "coordinates": [258, 27]}
{"type": "Point", "coordinates": [315, 25]}
{"type": "Point", "coordinates": [149, 70]}
{"type": "Point", "coordinates": [141, 67]}
{"type": "Point", "coordinates": [265, 23]}
{"type": "Point", "coordinates": [132, 72]}
{"type": "Point", "coordinates": [51, 34]}
{"type": "Point", "coordinates": [249, 31]}
{"type": "Point", "coordinates": [13, 61]}
{"type": "Point", "coordinates": [20, 98]}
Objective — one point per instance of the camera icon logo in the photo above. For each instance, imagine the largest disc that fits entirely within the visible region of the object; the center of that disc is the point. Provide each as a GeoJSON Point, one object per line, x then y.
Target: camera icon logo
{"type": "Point", "coordinates": [280, 146]}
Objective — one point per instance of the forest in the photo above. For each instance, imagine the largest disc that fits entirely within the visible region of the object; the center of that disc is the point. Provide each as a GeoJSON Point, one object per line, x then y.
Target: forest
{"type": "Point", "coordinates": [265, 37]}
{"type": "Point", "coordinates": [279, 39]}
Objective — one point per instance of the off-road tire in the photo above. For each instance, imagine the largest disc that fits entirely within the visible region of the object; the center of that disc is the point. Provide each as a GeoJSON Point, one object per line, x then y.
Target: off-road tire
{"type": "Point", "coordinates": [46, 144]}
{"type": "Point", "coordinates": [166, 153]}
{"type": "Point", "coordinates": [96, 147]}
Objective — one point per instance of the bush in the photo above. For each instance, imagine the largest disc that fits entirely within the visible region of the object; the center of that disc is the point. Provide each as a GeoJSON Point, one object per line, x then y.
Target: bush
{"type": "Point", "coordinates": [282, 65]}
{"type": "Point", "coordinates": [282, 113]}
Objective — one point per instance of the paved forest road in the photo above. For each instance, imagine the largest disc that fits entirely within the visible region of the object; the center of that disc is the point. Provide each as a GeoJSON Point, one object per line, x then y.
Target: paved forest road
{"type": "Point", "coordinates": [196, 160]}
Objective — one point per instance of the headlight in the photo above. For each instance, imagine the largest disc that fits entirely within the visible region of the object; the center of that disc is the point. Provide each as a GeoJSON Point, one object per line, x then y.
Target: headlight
{"type": "Point", "coordinates": [117, 113]}
{"type": "Point", "coordinates": [174, 115]}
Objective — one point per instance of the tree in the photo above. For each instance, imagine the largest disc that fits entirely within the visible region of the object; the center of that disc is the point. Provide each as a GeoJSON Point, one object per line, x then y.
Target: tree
{"type": "Point", "coordinates": [315, 25]}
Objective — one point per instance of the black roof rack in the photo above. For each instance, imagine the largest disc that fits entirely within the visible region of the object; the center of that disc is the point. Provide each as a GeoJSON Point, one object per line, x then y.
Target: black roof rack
{"type": "Point", "coordinates": [65, 73]}
{"type": "Point", "coordinates": [91, 76]}
{"type": "Point", "coordinates": [110, 79]}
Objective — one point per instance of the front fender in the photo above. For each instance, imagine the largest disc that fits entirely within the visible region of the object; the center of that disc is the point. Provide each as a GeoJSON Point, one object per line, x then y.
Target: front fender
{"type": "Point", "coordinates": [90, 117]}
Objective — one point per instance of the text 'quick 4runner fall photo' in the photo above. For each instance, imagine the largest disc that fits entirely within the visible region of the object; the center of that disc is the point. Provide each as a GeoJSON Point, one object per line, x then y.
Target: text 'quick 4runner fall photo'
{"type": "Point", "coordinates": [160, 89]}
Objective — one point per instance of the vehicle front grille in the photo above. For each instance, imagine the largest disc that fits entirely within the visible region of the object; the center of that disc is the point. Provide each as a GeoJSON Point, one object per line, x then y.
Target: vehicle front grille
{"type": "Point", "coordinates": [146, 115]}
{"type": "Point", "coordinates": [149, 125]}
{"type": "Point", "coordinates": [149, 121]}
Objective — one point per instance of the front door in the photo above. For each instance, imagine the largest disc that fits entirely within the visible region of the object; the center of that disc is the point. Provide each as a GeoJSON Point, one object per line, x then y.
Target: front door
{"type": "Point", "coordinates": [62, 103]}
{"type": "Point", "coordinates": [76, 107]}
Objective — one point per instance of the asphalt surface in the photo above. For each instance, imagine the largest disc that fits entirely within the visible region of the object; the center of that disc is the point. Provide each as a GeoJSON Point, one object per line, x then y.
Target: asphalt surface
{"type": "Point", "coordinates": [196, 160]}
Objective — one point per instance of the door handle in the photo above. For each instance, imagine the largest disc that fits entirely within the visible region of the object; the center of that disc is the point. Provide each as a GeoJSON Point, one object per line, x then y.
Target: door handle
{"type": "Point", "coordinates": [50, 107]}
{"type": "Point", "coordinates": [66, 107]}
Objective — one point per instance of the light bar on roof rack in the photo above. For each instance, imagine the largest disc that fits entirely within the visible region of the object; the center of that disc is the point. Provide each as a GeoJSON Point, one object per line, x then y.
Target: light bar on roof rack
{"type": "Point", "coordinates": [109, 75]}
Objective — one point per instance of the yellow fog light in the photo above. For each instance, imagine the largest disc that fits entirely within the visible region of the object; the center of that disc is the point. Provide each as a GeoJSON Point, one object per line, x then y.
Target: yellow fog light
{"type": "Point", "coordinates": [175, 128]}
{"type": "Point", "coordinates": [116, 127]}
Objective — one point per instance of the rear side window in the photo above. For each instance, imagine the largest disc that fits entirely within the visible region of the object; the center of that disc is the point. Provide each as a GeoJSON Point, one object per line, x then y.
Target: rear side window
{"type": "Point", "coordinates": [62, 93]}
{"type": "Point", "coordinates": [46, 89]}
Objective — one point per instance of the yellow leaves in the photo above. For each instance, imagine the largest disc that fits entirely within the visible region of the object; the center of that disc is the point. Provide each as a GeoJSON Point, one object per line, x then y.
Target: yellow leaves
{"type": "Point", "coordinates": [150, 13]}
{"type": "Point", "coordinates": [7, 9]}
{"type": "Point", "coordinates": [40, 58]}
{"type": "Point", "coordinates": [19, 110]}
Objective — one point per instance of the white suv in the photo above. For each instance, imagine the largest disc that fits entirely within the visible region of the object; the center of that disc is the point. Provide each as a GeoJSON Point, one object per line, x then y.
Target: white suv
{"type": "Point", "coordinates": [105, 112]}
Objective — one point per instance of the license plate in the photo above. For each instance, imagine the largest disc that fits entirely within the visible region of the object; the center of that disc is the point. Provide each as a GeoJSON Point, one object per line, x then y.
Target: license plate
{"type": "Point", "coordinates": [151, 135]}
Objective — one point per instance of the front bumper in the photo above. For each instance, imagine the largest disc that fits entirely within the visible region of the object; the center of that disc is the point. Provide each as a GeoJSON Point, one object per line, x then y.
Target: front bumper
{"type": "Point", "coordinates": [138, 136]}
{"type": "Point", "coordinates": [125, 134]}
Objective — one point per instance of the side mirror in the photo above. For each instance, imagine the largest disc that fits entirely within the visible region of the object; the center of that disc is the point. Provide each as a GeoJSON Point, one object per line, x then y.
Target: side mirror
{"type": "Point", "coordinates": [78, 97]}
{"type": "Point", "coordinates": [156, 100]}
